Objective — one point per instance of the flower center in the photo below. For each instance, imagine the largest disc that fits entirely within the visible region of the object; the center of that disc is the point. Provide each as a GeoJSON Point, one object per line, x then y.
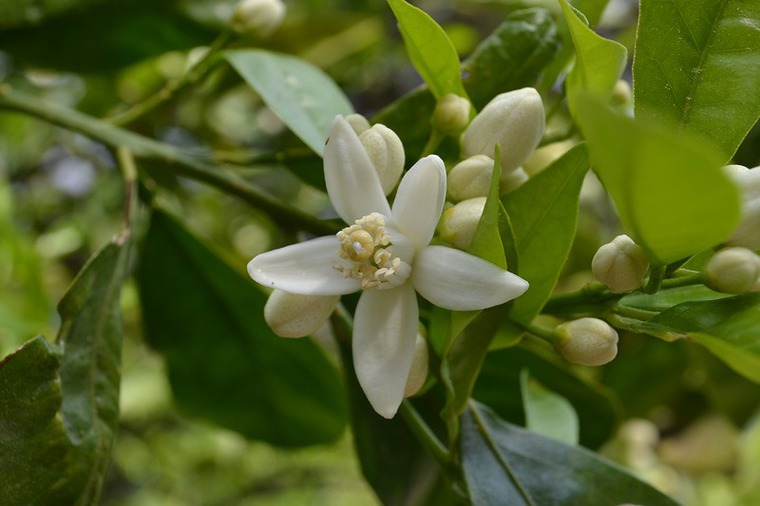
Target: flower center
{"type": "Point", "coordinates": [366, 247]}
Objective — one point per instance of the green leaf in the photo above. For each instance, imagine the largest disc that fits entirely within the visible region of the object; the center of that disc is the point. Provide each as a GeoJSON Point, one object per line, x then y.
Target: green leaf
{"type": "Point", "coordinates": [599, 62]}
{"type": "Point", "coordinates": [727, 327]}
{"type": "Point", "coordinates": [498, 386]}
{"type": "Point", "coordinates": [547, 413]}
{"type": "Point", "coordinates": [430, 49]}
{"type": "Point", "coordinates": [305, 98]}
{"type": "Point", "coordinates": [669, 192]}
{"type": "Point", "coordinates": [665, 299]}
{"type": "Point", "coordinates": [225, 364]}
{"type": "Point", "coordinates": [504, 464]}
{"type": "Point", "coordinates": [695, 66]}
{"type": "Point", "coordinates": [59, 411]}
{"type": "Point", "coordinates": [544, 213]}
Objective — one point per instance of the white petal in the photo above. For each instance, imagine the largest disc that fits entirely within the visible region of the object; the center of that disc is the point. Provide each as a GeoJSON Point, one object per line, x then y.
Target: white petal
{"type": "Point", "coordinates": [385, 331]}
{"type": "Point", "coordinates": [306, 268]}
{"type": "Point", "coordinates": [419, 200]}
{"type": "Point", "coordinates": [352, 182]}
{"type": "Point", "coordinates": [456, 280]}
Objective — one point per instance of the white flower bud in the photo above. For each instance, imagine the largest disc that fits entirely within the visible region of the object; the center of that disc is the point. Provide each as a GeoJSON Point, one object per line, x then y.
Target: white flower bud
{"type": "Point", "coordinates": [732, 270]}
{"type": "Point", "coordinates": [296, 315]}
{"type": "Point", "coordinates": [512, 180]}
{"type": "Point", "coordinates": [586, 341]}
{"type": "Point", "coordinates": [514, 120]}
{"type": "Point", "coordinates": [620, 264]}
{"type": "Point", "coordinates": [470, 178]}
{"type": "Point", "coordinates": [419, 370]}
{"type": "Point", "coordinates": [747, 233]}
{"type": "Point", "coordinates": [359, 123]}
{"type": "Point", "coordinates": [459, 223]}
{"type": "Point", "coordinates": [451, 114]}
{"type": "Point", "coordinates": [257, 17]}
{"type": "Point", "coordinates": [387, 154]}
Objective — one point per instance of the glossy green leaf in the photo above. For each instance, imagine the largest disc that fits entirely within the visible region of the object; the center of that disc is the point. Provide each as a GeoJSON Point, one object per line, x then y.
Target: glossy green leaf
{"type": "Point", "coordinates": [430, 49]}
{"type": "Point", "coordinates": [505, 464]}
{"type": "Point", "coordinates": [59, 409]}
{"type": "Point", "coordinates": [695, 66]}
{"type": "Point", "coordinates": [547, 413]}
{"type": "Point", "coordinates": [665, 299]}
{"type": "Point", "coordinates": [544, 213]}
{"type": "Point", "coordinates": [670, 194]}
{"type": "Point", "coordinates": [224, 363]}
{"type": "Point", "coordinates": [305, 98]}
{"type": "Point", "coordinates": [512, 57]}
{"type": "Point", "coordinates": [498, 386]}
{"type": "Point", "coordinates": [599, 62]}
{"type": "Point", "coordinates": [727, 327]}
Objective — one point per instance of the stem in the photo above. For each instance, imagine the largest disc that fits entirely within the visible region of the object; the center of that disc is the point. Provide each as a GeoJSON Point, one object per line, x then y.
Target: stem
{"type": "Point", "coordinates": [129, 173]}
{"type": "Point", "coordinates": [172, 88]}
{"type": "Point", "coordinates": [685, 280]}
{"type": "Point", "coordinates": [635, 313]}
{"type": "Point", "coordinates": [432, 144]}
{"type": "Point", "coordinates": [180, 162]}
{"type": "Point", "coordinates": [592, 294]}
{"type": "Point", "coordinates": [544, 333]}
{"type": "Point", "coordinates": [655, 279]}
{"type": "Point", "coordinates": [424, 434]}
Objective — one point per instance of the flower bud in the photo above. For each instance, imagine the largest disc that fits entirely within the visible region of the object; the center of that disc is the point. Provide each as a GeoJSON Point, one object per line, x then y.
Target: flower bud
{"type": "Point", "coordinates": [358, 123]}
{"type": "Point", "coordinates": [451, 114]}
{"type": "Point", "coordinates": [514, 120]}
{"type": "Point", "coordinates": [419, 370]}
{"type": "Point", "coordinates": [296, 315]}
{"type": "Point", "coordinates": [747, 233]}
{"type": "Point", "coordinates": [620, 265]}
{"type": "Point", "coordinates": [470, 178]}
{"type": "Point", "coordinates": [512, 180]}
{"type": "Point", "coordinates": [732, 270]}
{"type": "Point", "coordinates": [257, 17]}
{"type": "Point", "coordinates": [459, 223]}
{"type": "Point", "coordinates": [621, 93]}
{"type": "Point", "coordinates": [387, 154]}
{"type": "Point", "coordinates": [586, 341]}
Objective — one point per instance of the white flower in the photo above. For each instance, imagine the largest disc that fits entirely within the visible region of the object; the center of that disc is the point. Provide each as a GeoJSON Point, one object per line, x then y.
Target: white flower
{"type": "Point", "coordinates": [386, 254]}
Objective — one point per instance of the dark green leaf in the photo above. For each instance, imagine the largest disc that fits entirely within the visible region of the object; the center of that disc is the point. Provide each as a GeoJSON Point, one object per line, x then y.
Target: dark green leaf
{"type": "Point", "coordinates": [429, 48]}
{"type": "Point", "coordinates": [225, 364]}
{"type": "Point", "coordinates": [695, 66]}
{"type": "Point", "coordinates": [32, 12]}
{"type": "Point", "coordinates": [504, 464]}
{"type": "Point", "coordinates": [669, 192]}
{"type": "Point", "coordinates": [547, 413]}
{"type": "Point", "coordinates": [544, 213]}
{"type": "Point", "coordinates": [305, 98]}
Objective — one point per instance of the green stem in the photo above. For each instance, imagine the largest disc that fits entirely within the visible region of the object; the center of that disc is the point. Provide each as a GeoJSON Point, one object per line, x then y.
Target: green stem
{"type": "Point", "coordinates": [129, 174]}
{"type": "Point", "coordinates": [544, 333]}
{"type": "Point", "coordinates": [656, 274]}
{"type": "Point", "coordinates": [424, 434]}
{"type": "Point", "coordinates": [635, 313]}
{"type": "Point", "coordinates": [685, 280]}
{"type": "Point", "coordinates": [432, 144]}
{"type": "Point", "coordinates": [592, 294]}
{"type": "Point", "coordinates": [180, 162]}
{"type": "Point", "coordinates": [172, 88]}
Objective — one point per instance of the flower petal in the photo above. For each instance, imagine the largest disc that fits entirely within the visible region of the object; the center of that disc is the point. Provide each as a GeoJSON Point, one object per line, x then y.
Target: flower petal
{"type": "Point", "coordinates": [419, 200]}
{"type": "Point", "coordinates": [453, 279]}
{"type": "Point", "coordinates": [352, 182]}
{"type": "Point", "coordinates": [305, 268]}
{"type": "Point", "coordinates": [385, 331]}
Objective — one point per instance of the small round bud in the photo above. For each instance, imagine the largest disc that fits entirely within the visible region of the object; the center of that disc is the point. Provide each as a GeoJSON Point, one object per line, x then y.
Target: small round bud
{"type": "Point", "coordinates": [419, 370]}
{"type": "Point", "coordinates": [470, 178]}
{"type": "Point", "coordinates": [257, 17]}
{"type": "Point", "coordinates": [732, 270]}
{"type": "Point", "coordinates": [387, 154]}
{"type": "Point", "coordinates": [512, 180]}
{"type": "Point", "coordinates": [747, 233]}
{"type": "Point", "coordinates": [621, 93]}
{"type": "Point", "coordinates": [620, 265]}
{"type": "Point", "coordinates": [459, 223]}
{"type": "Point", "coordinates": [586, 341]}
{"type": "Point", "coordinates": [514, 120]}
{"type": "Point", "coordinates": [296, 315]}
{"type": "Point", "coordinates": [451, 114]}
{"type": "Point", "coordinates": [358, 123]}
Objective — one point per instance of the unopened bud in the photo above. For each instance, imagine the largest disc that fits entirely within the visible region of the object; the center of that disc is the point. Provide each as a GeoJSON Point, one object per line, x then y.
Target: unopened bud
{"type": "Point", "coordinates": [296, 315]}
{"type": "Point", "coordinates": [586, 341]}
{"type": "Point", "coordinates": [358, 123]}
{"type": "Point", "coordinates": [747, 233]}
{"type": "Point", "coordinates": [419, 370]}
{"type": "Point", "coordinates": [451, 114]}
{"type": "Point", "coordinates": [470, 178]}
{"type": "Point", "coordinates": [621, 93]}
{"type": "Point", "coordinates": [514, 120]}
{"type": "Point", "coordinates": [732, 270]}
{"type": "Point", "coordinates": [257, 17]}
{"type": "Point", "coordinates": [512, 180]}
{"type": "Point", "coordinates": [620, 265]}
{"type": "Point", "coordinates": [387, 154]}
{"type": "Point", "coordinates": [459, 223]}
